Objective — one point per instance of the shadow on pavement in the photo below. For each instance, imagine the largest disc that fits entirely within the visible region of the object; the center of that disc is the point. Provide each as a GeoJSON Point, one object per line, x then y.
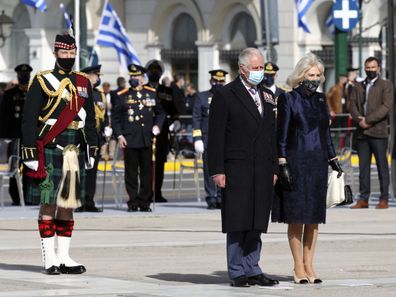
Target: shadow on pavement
{"type": "Point", "coordinates": [22, 267]}
{"type": "Point", "coordinates": [217, 277]}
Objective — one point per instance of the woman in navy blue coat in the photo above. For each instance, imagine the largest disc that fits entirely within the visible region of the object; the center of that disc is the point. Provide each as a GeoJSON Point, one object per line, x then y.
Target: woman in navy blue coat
{"type": "Point", "coordinates": [304, 151]}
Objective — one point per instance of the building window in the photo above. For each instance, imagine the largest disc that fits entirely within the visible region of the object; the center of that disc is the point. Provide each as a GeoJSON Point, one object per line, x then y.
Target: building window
{"type": "Point", "coordinates": [242, 34]}
{"type": "Point", "coordinates": [19, 40]}
{"type": "Point", "coordinates": [183, 54]}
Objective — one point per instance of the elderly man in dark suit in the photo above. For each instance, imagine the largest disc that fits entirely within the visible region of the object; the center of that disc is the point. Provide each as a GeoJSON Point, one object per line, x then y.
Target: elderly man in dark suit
{"type": "Point", "coordinates": [242, 161]}
{"type": "Point", "coordinates": [371, 102]}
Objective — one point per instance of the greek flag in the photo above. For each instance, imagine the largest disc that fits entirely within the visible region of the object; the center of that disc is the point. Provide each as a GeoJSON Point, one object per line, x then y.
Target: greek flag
{"type": "Point", "coordinates": [39, 4]}
{"type": "Point", "coordinates": [302, 8]}
{"type": "Point", "coordinates": [67, 19]}
{"type": "Point", "coordinates": [113, 34]}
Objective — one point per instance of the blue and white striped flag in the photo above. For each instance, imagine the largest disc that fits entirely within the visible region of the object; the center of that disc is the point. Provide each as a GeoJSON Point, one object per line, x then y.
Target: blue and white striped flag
{"type": "Point", "coordinates": [39, 4]}
{"type": "Point", "coordinates": [67, 19]}
{"type": "Point", "coordinates": [113, 34]}
{"type": "Point", "coordinates": [302, 8]}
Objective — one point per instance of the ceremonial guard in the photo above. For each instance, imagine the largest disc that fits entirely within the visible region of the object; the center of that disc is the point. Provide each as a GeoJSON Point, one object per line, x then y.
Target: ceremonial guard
{"type": "Point", "coordinates": [155, 70]}
{"type": "Point", "coordinates": [58, 141]}
{"type": "Point", "coordinates": [101, 122]}
{"type": "Point", "coordinates": [270, 90]}
{"type": "Point", "coordinates": [136, 118]}
{"type": "Point", "coordinates": [11, 118]}
{"type": "Point", "coordinates": [200, 122]}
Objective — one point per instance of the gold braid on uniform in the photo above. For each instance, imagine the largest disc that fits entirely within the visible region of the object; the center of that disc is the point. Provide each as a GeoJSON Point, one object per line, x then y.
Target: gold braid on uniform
{"type": "Point", "coordinates": [64, 84]}
{"type": "Point", "coordinates": [99, 115]}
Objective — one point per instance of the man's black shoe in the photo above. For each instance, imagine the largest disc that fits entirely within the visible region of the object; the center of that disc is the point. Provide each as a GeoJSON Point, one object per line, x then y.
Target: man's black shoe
{"type": "Point", "coordinates": [160, 199]}
{"type": "Point", "coordinates": [80, 209]}
{"type": "Point", "coordinates": [72, 269]}
{"type": "Point", "coordinates": [92, 208]}
{"type": "Point", "coordinates": [240, 281]}
{"type": "Point", "coordinates": [262, 280]}
{"type": "Point", "coordinates": [145, 209]}
{"type": "Point", "coordinates": [132, 208]}
{"type": "Point", "coordinates": [53, 270]}
{"type": "Point", "coordinates": [212, 205]}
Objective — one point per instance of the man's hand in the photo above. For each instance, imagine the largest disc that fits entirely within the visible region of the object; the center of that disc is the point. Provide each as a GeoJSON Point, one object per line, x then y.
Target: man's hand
{"type": "Point", "coordinates": [33, 165]}
{"type": "Point", "coordinates": [275, 179]}
{"type": "Point", "coordinates": [220, 180]}
{"type": "Point", "coordinates": [155, 130]}
{"type": "Point", "coordinates": [199, 146]}
{"type": "Point", "coordinates": [122, 141]}
{"type": "Point", "coordinates": [362, 123]}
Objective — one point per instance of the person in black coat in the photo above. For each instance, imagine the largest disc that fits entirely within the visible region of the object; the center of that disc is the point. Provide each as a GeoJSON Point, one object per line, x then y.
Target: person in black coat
{"type": "Point", "coordinates": [242, 161]}
{"type": "Point", "coordinates": [137, 117]}
{"type": "Point", "coordinates": [11, 108]}
{"type": "Point", "coordinates": [304, 151]}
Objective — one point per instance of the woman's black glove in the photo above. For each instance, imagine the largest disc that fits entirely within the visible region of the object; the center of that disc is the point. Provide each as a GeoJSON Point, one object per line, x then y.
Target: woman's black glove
{"type": "Point", "coordinates": [285, 177]}
{"type": "Point", "coordinates": [336, 167]}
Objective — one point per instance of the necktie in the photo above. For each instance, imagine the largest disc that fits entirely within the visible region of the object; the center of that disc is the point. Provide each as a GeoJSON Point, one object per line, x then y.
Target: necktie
{"type": "Point", "coordinates": [253, 91]}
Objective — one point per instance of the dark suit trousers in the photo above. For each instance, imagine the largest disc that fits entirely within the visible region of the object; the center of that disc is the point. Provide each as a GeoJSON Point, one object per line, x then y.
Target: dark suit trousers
{"type": "Point", "coordinates": [366, 147]}
{"type": "Point", "coordinates": [138, 162]}
{"type": "Point", "coordinates": [90, 183]}
{"type": "Point", "coordinates": [243, 253]}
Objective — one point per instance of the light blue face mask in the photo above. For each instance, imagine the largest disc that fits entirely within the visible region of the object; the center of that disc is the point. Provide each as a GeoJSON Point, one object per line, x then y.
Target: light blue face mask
{"type": "Point", "coordinates": [255, 77]}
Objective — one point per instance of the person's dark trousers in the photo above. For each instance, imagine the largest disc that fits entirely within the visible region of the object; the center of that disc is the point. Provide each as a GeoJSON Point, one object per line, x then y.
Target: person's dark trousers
{"type": "Point", "coordinates": [213, 193]}
{"type": "Point", "coordinates": [366, 147]}
{"type": "Point", "coordinates": [90, 183]}
{"type": "Point", "coordinates": [138, 162]}
{"type": "Point", "coordinates": [243, 253]}
{"type": "Point", "coordinates": [161, 153]}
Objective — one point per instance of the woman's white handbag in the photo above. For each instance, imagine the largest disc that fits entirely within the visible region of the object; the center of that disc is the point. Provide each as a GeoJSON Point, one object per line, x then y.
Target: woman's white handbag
{"type": "Point", "coordinates": [335, 189]}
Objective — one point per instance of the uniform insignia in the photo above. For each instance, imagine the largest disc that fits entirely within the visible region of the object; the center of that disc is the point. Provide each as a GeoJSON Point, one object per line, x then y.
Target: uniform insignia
{"type": "Point", "coordinates": [82, 91]}
{"type": "Point", "coordinates": [268, 98]}
{"type": "Point", "coordinates": [139, 95]}
{"type": "Point", "coordinates": [130, 119]}
{"type": "Point", "coordinates": [130, 111]}
{"type": "Point", "coordinates": [209, 100]}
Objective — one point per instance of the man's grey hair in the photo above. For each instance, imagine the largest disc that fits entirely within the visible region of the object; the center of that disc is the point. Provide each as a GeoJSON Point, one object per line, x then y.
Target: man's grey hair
{"type": "Point", "coordinates": [246, 54]}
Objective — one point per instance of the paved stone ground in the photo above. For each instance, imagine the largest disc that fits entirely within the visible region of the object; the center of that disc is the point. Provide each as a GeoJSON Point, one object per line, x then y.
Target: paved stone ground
{"type": "Point", "coordinates": [179, 251]}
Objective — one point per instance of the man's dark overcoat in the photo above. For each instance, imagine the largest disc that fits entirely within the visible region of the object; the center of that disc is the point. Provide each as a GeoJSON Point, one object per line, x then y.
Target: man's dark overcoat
{"type": "Point", "coordinates": [242, 146]}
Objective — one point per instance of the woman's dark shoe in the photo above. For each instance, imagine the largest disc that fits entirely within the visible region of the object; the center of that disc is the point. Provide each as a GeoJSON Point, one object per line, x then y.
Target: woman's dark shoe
{"type": "Point", "coordinates": [313, 280]}
{"type": "Point", "coordinates": [300, 281]}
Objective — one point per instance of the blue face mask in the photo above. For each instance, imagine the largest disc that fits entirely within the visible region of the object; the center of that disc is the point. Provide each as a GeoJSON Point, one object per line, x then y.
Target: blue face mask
{"type": "Point", "coordinates": [215, 87]}
{"type": "Point", "coordinates": [255, 77]}
{"type": "Point", "coordinates": [134, 82]}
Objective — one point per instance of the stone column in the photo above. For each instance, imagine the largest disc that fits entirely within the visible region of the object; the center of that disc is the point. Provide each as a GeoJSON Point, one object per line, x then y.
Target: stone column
{"type": "Point", "coordinates": [208, 59]}
{"type": "Point", "coordinates": [41, 56]}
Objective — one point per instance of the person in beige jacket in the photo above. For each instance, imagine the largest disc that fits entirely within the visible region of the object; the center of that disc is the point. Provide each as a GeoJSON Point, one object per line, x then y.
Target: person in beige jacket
{"type": "Point", "coordinates": [371, 102]}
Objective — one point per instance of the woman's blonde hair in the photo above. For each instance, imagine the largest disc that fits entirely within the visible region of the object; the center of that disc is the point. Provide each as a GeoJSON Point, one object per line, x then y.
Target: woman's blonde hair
{"type": "Point", "coordinates": [308, 61]}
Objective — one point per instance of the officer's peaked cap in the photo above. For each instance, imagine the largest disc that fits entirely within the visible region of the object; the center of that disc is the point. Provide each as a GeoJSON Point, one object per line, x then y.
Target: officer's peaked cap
{"type": "Point", "coordinates": [136, 70]}
{"type": "Point", "coordinates": [23, 68]}
{"type": "Point", "coordinates": [92, 69]}
{"type": "Point", "coordinates": [152, 64]}
{"type": "Point", "coordinates": [270, 68]}
{"type": "Point", "coordinates": [218, 74]}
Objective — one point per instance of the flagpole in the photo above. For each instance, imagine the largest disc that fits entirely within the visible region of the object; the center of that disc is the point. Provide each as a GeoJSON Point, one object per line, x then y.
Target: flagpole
{"type": "Point", "coordinates": [77, 31]}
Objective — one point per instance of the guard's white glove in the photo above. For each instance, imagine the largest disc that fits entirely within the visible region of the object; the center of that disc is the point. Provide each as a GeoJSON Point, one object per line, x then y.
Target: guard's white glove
{"type": "Point", "coordinates": [155, 130]}
{"type": "Point", "coordinates": [108, 131]}
{"type": "Point", "coordinates": [175, 126]}
{"type": "Point", "coordinates": [199, 146]}
{"type": "Point", "coordinates": [31, 164]}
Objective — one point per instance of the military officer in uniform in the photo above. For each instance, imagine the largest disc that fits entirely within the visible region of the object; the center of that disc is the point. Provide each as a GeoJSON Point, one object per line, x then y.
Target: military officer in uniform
{"type": "Point", "coordinates": [11, 118]}
{"type": "Point", "coordinates": [136, 118]}
{"type": "Point", "coordinates": [101, 121]}
{"type": "Point", "coordinates": [270, 90]}
{"type": "Point", "coordinates": [200, 122]}
{"type": "Point", "coordinates": [58, 142]}
{"type": "Point", "coordinates": [155, 69]}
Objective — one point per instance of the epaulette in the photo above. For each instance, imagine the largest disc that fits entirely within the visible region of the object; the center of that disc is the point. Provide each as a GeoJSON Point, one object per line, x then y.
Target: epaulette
{"type": "Point", "coordinates": [150, 89]}
{"type": "Point", "coordinates": [122, 91]}
{"type": "Point", "coordinates": [38, 74]}
{"type": "Point", "coordinates": [82, 74]}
